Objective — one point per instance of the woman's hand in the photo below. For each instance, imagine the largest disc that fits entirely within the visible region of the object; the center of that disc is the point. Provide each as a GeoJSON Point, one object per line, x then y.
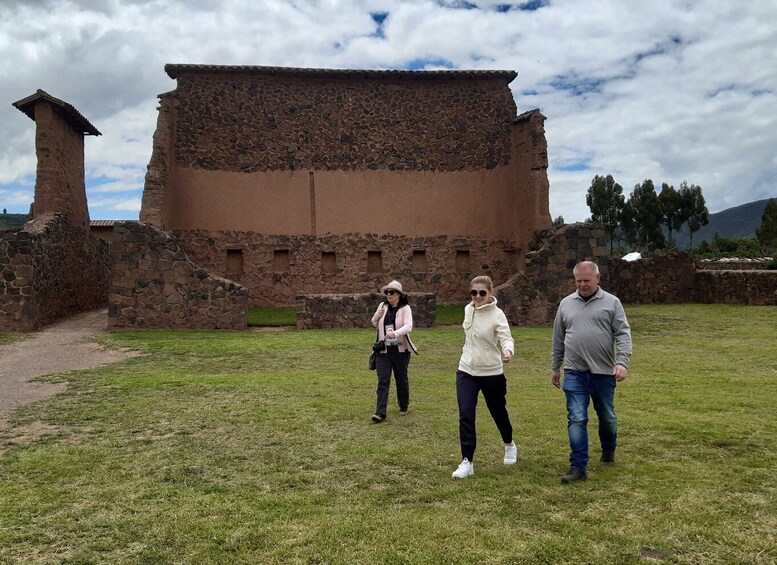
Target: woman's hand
{"type": "Point", "coordinates": [391, 335]}
{"type": "Point", "coordinates": [506, 356]}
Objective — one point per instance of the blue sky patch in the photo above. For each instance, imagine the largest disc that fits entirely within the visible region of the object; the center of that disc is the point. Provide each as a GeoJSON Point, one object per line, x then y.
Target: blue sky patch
{"type": "Point", "coordinates": [379, 18]}
{"type": "Point", "coordinates": [573, 165]}
{"type": "Point", "coordinates": [420, 64]}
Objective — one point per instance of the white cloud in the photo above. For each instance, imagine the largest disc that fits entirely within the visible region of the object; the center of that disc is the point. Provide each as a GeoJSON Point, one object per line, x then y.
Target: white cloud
{"type": "Point", "coordinates": [668, 90]}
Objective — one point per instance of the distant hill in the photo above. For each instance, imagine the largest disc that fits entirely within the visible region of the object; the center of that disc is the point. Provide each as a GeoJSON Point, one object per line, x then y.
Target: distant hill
{"type": "Point", "coordinates": [734, 223]}
{"type": "Point", "coordinates": [12, 220]}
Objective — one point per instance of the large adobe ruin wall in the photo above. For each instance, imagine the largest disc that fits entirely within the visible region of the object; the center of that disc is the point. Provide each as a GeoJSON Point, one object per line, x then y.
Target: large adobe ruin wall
{"type": "Point", "coordinates": [313, 155]}
{"type": "Point", "coordinates": [156, 285]}
{"type": "Point", "coordinates": [253, 123]}
{"type": "Point", "coordinates": [276, 268]}
{"type": "Point", "coordinates": [50, 269]}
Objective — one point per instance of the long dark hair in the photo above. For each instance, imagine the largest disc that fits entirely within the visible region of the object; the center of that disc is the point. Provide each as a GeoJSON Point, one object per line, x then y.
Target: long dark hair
{"type": "Point", "coordinates": [402, 300]}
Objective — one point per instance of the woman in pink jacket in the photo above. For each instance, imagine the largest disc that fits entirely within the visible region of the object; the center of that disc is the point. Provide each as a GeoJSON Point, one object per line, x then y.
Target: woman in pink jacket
{"type": "Point", "coordinates": [394, 320]}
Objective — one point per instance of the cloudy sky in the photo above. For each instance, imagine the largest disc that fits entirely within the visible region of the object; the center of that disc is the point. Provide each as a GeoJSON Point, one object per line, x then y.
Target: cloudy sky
{"type": "Point", "coordinates": [667, 90]}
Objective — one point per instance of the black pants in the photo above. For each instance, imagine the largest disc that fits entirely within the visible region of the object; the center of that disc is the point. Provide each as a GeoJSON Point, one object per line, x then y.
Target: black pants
{"type": "Point", "coordinates": [392, 360]}
{"type": "Point", "coordinates": [495, 392]}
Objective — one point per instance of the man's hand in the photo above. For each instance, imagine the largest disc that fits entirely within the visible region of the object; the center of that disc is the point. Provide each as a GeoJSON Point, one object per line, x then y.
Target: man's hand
{"type": "Point", "coordinates": [555, 378]}
{"type": "Point", "coordinates": [621, 373]}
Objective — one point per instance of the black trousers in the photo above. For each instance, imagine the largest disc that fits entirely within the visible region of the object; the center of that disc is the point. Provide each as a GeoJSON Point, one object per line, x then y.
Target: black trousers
{"type": "Point", "coordinates": [494, 390]}
{"type": "Point", "coordinates": [392, 360]}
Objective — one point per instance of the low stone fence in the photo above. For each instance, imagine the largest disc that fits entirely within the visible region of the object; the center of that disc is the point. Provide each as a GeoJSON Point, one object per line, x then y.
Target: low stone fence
{"type": "Point", "coordinates": [155, 285]}
{"type": "Point", "coordinates": [659, 279]}
{"type": "Point", "coordinates": [326, 311]}
{"type": "Point", "coordinates": [734, 264]}
{"type": "Point", "coordinates": [50, 269]}
{"type": "Point", "coordinates": [757, 288]}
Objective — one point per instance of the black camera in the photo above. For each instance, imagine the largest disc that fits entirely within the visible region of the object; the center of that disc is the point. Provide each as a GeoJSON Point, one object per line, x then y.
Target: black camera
{"type": "Point", "coordinates": [379, 346]}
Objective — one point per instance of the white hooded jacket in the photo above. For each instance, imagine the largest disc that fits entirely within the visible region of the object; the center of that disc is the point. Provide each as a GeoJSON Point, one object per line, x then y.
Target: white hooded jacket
{"type": "Point", "coordinates": [487, 335]}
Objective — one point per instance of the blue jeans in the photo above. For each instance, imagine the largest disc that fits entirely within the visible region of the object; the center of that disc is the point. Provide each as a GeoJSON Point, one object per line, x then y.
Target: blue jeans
{"type": "Point", "coordinates": [580, 387]}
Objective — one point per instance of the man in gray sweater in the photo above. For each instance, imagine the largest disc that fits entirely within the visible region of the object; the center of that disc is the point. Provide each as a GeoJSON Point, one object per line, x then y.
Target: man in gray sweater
{"type": "Point", "coordinates": [592, 338]}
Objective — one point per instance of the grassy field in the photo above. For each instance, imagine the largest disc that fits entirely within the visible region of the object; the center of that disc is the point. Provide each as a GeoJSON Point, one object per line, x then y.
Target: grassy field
{"type": "Point", "coordinates": [256, 447]}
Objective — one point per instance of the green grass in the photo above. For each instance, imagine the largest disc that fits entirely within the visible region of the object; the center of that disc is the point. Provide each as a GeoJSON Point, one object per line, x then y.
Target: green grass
{"type": "Point", "coordinates": [10, 337]}
{"type": "Point", "coordinates": [450, 315]}
{"type": "Point", "coordinates": [256, 447]}
{"type": "Point", "coordinates": [272, 317]}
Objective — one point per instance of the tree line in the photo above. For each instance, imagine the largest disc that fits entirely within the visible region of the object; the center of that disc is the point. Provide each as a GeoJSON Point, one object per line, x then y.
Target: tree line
{"type": "Point", "coordinates": [640, 219]}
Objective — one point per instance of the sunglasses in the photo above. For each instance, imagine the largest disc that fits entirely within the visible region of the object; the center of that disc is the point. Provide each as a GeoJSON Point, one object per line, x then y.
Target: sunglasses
{"type": "Point", "coordinates": [390, 292]}
{"type": "Point", "coordinates": [482, 293]}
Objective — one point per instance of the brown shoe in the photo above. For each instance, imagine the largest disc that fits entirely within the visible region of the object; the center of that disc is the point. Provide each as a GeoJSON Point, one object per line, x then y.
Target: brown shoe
{"type": "Point", "coordinates": [573, 475]}
{"type": "Point", "coordinates": [608, 459]}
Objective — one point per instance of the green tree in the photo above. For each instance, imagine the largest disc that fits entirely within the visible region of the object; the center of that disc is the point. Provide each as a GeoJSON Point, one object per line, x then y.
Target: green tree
{"type": "Point", "coordinates": [767, 231]}
{"type": "Point", "coordinates": [605, 199]}
{"type": "Point", "coordinates": [644, 217]}
{"type": "Point", "coordinates": [693, 209]}
{"type": "Point", "coordinates": [558, 222]}
{"type": "Point", "coordinates": [671, 208]}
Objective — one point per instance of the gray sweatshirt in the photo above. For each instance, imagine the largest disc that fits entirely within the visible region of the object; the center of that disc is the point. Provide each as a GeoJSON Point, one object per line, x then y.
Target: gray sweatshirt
{"type": "Point", "coordinates": [591, 336]}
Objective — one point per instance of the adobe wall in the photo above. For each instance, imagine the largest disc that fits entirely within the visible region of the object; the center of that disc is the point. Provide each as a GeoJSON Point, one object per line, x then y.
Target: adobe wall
{"type": "Point", "coordinates": [340, 263]}
{"type": "Point", "coordinates": [59, 184]}
{"type": "Point", "coordinates": [327, 311]}
{"type": "Point", "coordinates": [156, 285]}
{"type": "Point", "coordinates": [50, 270]}
{"type": "Point", "coordinates": [314, 155]}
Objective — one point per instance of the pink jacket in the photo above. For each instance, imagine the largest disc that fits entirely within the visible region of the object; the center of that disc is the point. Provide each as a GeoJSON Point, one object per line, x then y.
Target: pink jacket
{"type": "Point", "coordinates": [404, 325]}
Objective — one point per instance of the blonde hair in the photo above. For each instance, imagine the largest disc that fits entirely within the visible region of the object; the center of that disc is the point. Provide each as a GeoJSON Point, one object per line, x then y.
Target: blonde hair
{"type": "Point", "coordinates": [484, 280]}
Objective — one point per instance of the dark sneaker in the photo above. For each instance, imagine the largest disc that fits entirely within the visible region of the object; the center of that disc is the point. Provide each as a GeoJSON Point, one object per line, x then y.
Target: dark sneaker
{"type": "Point", "coordinates": [608, 459]}
{"type": "Point", "coordinates": [377, 418]}
{"type": "Point", "coordinates": [573, 475]}
{"type": "Point", "coordinates": [403, 411]}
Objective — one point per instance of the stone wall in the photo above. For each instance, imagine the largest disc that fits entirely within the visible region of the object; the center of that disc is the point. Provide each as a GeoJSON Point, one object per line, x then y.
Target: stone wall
{"type": "Point", "coordinates": [734, 264]}
{"type": "Point", "coordinates": [530, 298]}
{"type": "Point", "coordinates": [155, 285]}
{"type": "Point", "coordinates": [656, 279]}
{"type": "Point", "coordinates": [254, 119]}
{"type": "Point", "coordinates": [325, 311]}
{"type": "Point", "coordinates": [757, 288]}
{"type": "Point", "coordinates": [276, 268]}
{"type": "Point", "coordinates": [50, 269]}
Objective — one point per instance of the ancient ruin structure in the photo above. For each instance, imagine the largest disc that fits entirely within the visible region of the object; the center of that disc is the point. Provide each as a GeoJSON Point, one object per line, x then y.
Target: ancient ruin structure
{"type": "Point", "coordinates": [52, 266]}
{"type": "Point", "coordinates": [302, 181]}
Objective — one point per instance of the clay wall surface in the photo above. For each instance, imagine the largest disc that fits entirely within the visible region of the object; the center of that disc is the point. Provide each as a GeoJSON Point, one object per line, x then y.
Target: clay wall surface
{"type": "Point", "coordinates": [49, 269]}
{"type": "Point", "coordinates": [312, 155]}
{"type": "Point", "coordinates": [59, 185]}
{"type": "Point", "coordinates": [276, 268]}
{"type": "Point", "coordinates": [156, 285]}
{"type": "Point", "coordinates": [326, 311]}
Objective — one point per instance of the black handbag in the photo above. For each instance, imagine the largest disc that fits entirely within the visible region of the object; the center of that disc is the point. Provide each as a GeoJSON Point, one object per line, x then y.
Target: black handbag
{"type": "Point", "coordinates": [377, 347]}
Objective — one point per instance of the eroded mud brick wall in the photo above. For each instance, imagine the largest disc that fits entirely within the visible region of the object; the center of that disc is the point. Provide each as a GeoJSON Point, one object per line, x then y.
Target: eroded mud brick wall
{"type": "Point", "coordinates": [367, 156]}
{"type": "Point", "coordinates": [48, 270]}
{"type": "Point", "coordinates": [156, 285]}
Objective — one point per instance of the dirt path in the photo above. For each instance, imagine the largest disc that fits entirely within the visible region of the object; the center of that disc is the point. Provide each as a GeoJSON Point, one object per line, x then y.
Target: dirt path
{"type": "Point", "coordinates": [63, 346]}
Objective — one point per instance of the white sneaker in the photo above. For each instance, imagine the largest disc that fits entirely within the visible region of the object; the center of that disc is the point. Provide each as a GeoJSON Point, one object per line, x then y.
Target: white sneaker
{"type": "Point", "coordinates": [464, 470]}
{"type": "Point", "coordinates": [511, 454]}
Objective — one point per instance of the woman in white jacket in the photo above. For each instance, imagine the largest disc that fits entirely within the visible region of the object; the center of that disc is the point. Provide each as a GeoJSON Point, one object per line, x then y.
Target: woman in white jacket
{"type": "Point", "coordinates": [487, 345]}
